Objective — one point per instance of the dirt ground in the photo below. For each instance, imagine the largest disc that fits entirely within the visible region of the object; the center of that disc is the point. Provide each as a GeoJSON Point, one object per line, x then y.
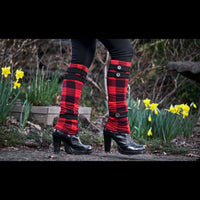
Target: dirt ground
{"type": "Point", "coordinates": [46, 154]}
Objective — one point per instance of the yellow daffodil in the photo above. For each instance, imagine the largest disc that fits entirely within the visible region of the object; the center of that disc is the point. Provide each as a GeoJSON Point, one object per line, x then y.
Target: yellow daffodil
{"type": "Point", "coordinates": [177, 109]}
{"type": "Point", "coordinates": [182, 108]}
{"type": "Point", "coordinates": [156, 112]}
{"type": "Point", "coordinates": [19, 74]}
{"type": "Point", "coordinates": [149, 132]}
{"type": "Point", "coordinates": [5, 71]}
{"type": "Point", "coordinates": [194, 105]}
{"type": "Point", "coordinates": [185, 108]}
{"type": "Point", "coordinates": [153, 106]}
{"type": "Point", "coordinates": [149, 118]}
{"type": "Point", "coordinates": [185, 114]}
{"type": "Point", "coordinates": [16, 84]}
{"type": "Point", "coordinates": [172, 109]}
{"type": "Point", "coordinates": [146, 102]}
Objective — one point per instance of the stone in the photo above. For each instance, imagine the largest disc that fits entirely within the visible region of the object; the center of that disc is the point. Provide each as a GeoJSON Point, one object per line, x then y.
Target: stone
{"type": "Point", "coordinates": [46, 114]}
{"type": "Point", "coordinates": [188, 69]}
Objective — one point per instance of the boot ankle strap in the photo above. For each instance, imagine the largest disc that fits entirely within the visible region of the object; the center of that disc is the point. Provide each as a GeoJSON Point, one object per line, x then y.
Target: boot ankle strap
{"type": "Point", "coordinates": [118, 115]}
{"type": "Point", "coordinates": [69, 116]}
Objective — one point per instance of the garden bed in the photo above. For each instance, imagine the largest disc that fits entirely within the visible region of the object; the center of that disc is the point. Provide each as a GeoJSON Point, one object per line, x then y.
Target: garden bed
{"type": "Point", "coordinates": [35, 143]}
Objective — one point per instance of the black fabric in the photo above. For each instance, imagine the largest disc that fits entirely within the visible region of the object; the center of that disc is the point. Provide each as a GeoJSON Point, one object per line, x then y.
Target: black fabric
{"type": "Point", "coordinates": [83, 50]}
{"type": "Point", "coordinates": [69, 116]}
{"type": "Point", "coordinates": [74, 77]}
{"type": "Point", "coordinates": [77, 71]}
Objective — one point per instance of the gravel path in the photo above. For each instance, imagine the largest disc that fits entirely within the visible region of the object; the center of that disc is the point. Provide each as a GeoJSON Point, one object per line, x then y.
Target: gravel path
{"type": "Point", "coordinates": [32, 154]}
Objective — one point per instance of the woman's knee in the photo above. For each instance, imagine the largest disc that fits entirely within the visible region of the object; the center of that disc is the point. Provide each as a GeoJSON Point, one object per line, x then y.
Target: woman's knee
{"type": "Point", "coordinates": [129, 52]}
{"type": "Point", "coordinates": [119, 49]}
{"type": "Point", "coordinates": [83, 51]}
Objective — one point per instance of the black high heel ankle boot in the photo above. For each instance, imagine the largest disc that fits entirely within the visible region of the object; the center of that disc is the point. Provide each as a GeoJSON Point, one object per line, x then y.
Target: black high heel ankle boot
{"type": "Point", "coordinates": [72, 143]}
{"type": "Point", "coordinates": [124, 142]}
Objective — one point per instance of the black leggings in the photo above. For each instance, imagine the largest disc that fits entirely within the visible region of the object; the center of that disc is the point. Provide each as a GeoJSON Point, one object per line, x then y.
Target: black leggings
{"type": "Point", "coordinates": [83, 50]}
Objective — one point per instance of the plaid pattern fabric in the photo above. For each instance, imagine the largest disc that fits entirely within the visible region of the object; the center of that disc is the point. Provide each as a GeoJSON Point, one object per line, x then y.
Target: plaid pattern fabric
{"type": "Point", "coordinates": [70, 96]}
{"type": "Point", "coordinates": [117, 81]}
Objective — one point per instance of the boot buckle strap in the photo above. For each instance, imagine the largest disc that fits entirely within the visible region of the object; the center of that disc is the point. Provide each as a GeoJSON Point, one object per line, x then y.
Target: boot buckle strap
{"type": "Point", "coordinates": [118, 115]}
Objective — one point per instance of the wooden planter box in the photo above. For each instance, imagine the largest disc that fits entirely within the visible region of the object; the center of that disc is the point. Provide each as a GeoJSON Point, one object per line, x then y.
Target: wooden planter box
{"type": "Point", "coordinates": [46, 114]}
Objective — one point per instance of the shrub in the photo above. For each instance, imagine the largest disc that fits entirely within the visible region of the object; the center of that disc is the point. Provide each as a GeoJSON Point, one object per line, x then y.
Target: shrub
{"type": "Point", "coordinates": [41, 90]}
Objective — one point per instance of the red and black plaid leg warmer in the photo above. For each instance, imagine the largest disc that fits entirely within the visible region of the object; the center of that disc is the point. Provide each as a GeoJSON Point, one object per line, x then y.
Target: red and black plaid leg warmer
{"type": "Point", "coordinates": [71, 92]}
{"type": "Point", "coordinates": [118, 77]}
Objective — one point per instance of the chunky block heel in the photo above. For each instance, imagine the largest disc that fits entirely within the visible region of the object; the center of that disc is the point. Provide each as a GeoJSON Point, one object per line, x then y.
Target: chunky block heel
{"type": "Point", "coordinates": [56, 143]}
{"type": "Point", "coordinates": [107, 142]}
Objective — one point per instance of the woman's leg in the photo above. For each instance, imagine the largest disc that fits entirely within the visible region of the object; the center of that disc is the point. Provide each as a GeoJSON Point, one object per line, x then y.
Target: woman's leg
{"type": "Point", "coordinates": [121, 53]}
{"type": "Point", "coordinates": [82, 55]}
{"type": "Point", "coordinates": [117, 126]}
{"type": "Point", "coordinates": [66, 129]}
{"type": "Point", "coordinates": [83, 51]}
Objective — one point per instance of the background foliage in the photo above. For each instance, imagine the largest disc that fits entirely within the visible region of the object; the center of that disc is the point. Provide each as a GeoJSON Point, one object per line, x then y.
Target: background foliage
{"type": "Point", "coordinates": [149, 78]}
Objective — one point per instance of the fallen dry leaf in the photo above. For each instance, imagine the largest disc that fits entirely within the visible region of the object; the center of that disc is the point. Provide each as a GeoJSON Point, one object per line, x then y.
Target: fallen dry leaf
{"type": "Point", "coordinates": [191, 155]}
{"type": "Point", "coordinates": [38, 127]}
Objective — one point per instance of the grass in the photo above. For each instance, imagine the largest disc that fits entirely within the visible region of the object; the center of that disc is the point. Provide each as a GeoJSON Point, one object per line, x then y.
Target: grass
{"type": "Point", "coordinates": [87, 137]}
{"type": "Point", "coordinates": [11, 136]}
{"type": "Point", "coordinates": [160, 146]}
{"type": "Point", "coordinates": [41, 90]}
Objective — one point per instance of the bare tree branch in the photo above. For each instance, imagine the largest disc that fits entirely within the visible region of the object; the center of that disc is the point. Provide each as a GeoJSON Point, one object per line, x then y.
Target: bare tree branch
{"type": "Point", "coordinates": [105, 75]}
